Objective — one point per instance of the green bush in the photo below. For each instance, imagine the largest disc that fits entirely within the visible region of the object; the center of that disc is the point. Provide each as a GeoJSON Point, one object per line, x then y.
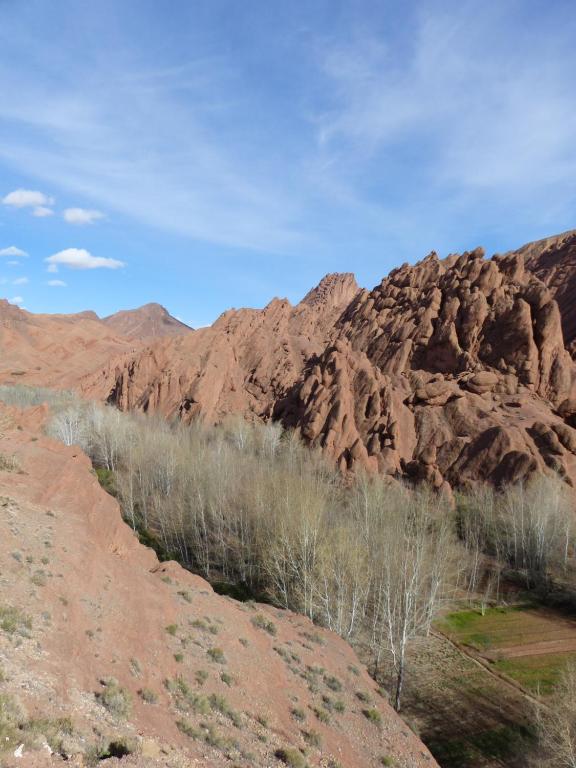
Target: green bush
{"type": "Point", "coordinates": [373, 715]}
{"type": "Point", "coordinates": [291, 757]}
{"type": "Point", "coordinates": [261, 622]}
{"type": "Point", "coordinates": [114, 698]}
{"type": "Point", "coordinates": [147, 695]}
{"type": "Point", "coordinates": [217, 655]}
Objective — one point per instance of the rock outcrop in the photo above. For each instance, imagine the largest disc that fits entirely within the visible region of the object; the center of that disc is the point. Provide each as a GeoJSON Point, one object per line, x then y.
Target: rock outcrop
{"type": "Point", "coordinates": [449, 371]}
{"type": "Point", "coordinates": [243, 364]}
{"type": "Point", "coordinates": [553, 261]}
{"type": "Point", "coordinates": [452, 371]}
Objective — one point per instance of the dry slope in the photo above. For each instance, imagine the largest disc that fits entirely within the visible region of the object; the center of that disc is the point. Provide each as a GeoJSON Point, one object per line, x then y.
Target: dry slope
{"type": "Point", "coordinates": [100, 645]}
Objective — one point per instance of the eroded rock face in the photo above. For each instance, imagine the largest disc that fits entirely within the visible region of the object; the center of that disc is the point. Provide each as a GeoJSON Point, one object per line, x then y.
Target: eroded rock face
{"type": "Point", "coordinates": [553, 261]}
{"type": "Point", "coordinates": [440, 373]}
{"type": "Point", "coordinates": [243, 364]}
{"type": "Point", "coordinates": [449, 371]}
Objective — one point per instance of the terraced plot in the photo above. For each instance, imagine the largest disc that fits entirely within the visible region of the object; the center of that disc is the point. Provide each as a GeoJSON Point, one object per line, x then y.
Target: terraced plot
{"type": "Point", "coordinates": [529, 643]}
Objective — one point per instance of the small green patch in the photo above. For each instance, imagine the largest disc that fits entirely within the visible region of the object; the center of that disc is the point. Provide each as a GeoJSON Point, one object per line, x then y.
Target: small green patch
{"type": "Point", "coordinates": [227, 679]}
{"type": "Point", "coordinates": [217, 655]}
{"type": "Point", "coordinates": [172, 629]}
{"type": "Point", "coordinates": [291, 757]}
{"type": "Point", "coordinates": [333, 683]}
{"type": "Point", "coordinates": [13, 621]}
{"type": "Point", "coordinates": [261, 622]}
{"type": "Point", "coordinates": [114, 698]}
{"type": "Point", "coordinates": [106, 480]}
{"type": "Point", "coordinates": [201, 676]}
{"type": "Point", "coordinates": [312, 738]}
{"type": "Point", "coordinates": [148, 695]}
{"type": "Point", "coordinates": [322, 714]}
{"type": "Point", "coordinates": [539, 674]}
{"type": "Point", "coordinates": [373, 715]}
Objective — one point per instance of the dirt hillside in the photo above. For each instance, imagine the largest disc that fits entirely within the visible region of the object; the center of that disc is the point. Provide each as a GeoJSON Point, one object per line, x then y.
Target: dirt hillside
{"type": "Point", "coordinates": [103, 650]}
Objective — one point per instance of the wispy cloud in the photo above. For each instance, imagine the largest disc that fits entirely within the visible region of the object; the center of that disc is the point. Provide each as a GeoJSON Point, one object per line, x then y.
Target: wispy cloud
{"type": "Point", "coordinates": [16, 300]}
{"type": "Point", "coordinates": [41, 212]}
{"type": "Point", "coordinates": [56, 283]}
{"type": "Point", "coordinates": [466, 108]}
{"type": "Point", "coordinates": [79, 258]}
{"type": "Point", "coordinates": [81, 216]}
{"type": "Point", "coordinates": [13, 251]}
{"type": "Point", "coordinates": [20, 281]}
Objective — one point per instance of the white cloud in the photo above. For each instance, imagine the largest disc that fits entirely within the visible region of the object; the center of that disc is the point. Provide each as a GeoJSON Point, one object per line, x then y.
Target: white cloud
{"type": "Point", "coordinates": [81, 216]}
{"type": "Point", "coordinates": [57, 283]}
{"type": "Point", "coordinates": [13, 263]}
{"type": "Point", "coordinates": [13, 251]}
{"type": "Point", "coordinates": [27, 198]}
{"type": "Point", "coordinates": [16, 300]}
{"type": "Point", "coordinates": [41, 212]}
{"type": "Point", "coordinates": [20, 281]}
{"type": "Point", "coordinates": [79, 258]}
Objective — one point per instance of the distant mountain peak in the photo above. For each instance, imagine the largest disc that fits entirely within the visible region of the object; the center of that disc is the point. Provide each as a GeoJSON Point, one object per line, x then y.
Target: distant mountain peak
{"type": "Point", "coordinates": [151, 320]}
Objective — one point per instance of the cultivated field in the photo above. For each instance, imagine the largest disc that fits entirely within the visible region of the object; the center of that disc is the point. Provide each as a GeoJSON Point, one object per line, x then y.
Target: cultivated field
{"type": "Point", "coordinates": [528, 643]}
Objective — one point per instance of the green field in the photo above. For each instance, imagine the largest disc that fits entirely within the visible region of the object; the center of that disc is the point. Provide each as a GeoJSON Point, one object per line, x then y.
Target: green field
{"type": "Point", "coordinates": [528, 643]}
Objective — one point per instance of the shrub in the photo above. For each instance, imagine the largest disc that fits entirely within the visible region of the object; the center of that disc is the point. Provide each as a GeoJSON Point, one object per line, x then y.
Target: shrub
{"type": "Point", "coordinates": [217, 655]}
{"type": "Point", "coordinates": [201, 676]}
{"type": "Point", "coordinates": [312, 738]}
{"type": "Point", "coordinates": [219, 704]}
{"type": "Point", "coordinates": [333, 683]}
{"type": "Point", "coordinates": [291, 757]}
{"type": "Point", "coordinates": [227, 679]}
{"type": "Point", "coordinates": [172, 629]}
{"type": "Point", "coordinates": [114, 698]}
{"type": "Point", "coordinates": [322, 714]}
{"type": "Point", "coordinates": [189, 730]}
{"type": "Point", "coordinates": [373, 715]}
{"type": "Point", "coordinates": [261, 622]}
{"type": "Point", "coordinates": [148, 695]}
{"type": "Point", "coordinates": [298, 714]}
{"type": "Point", "coordinates": [13, 621]}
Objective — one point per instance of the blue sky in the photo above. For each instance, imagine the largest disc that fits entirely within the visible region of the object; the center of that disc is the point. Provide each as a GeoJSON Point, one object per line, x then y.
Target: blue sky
{"type": "Point", "coordinates": [209, 153]}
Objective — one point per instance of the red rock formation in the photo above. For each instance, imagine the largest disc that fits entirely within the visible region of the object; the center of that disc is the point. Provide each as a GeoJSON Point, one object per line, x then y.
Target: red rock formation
{"type": "Point", "coordinates": [146, 322]}
{"type": "Point", "coordinates": [454, 370]}
{"type": "Point", "coordinates": [245, 363]}
{"type": "Point", "coordinates": [553, 261]}
{"type": "Point", "coordinates": [448, 371]}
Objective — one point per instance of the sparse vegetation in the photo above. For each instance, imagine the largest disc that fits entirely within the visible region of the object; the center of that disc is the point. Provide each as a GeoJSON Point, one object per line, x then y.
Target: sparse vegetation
{"type": "Point", "coordinates": [291, 757]}
{"type": "Point", "coordinates": [373, 715]}
{"type": "Point", "coordinates": [114, 698]}
{"type": "Point", "coordinates": [13, 621]}
{"type": "Point", "coordinates": [148, 695]}
{"type": "Point", "coordinates": [312, 738]}
{"type": "Point", "coordinates": [262, 622]}
{"type": "Point", "coordinates": [217, 655]}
